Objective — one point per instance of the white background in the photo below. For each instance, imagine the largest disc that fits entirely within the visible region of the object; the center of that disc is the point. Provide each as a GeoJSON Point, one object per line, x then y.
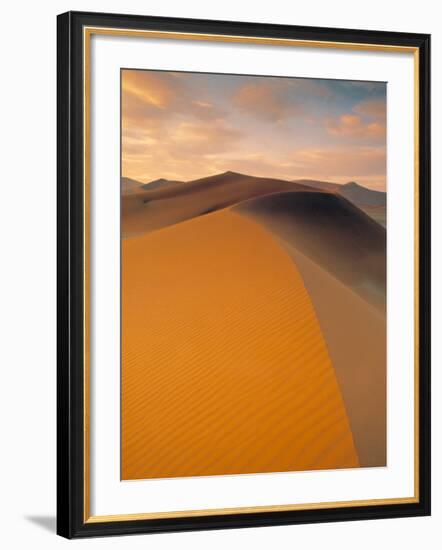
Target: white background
{"type": "Point", "coordinates": [27, 289]}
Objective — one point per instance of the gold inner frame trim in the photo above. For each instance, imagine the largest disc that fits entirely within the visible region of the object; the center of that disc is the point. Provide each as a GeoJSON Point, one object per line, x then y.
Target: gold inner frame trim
{"type": "Point", "coordinates": [87, 33]}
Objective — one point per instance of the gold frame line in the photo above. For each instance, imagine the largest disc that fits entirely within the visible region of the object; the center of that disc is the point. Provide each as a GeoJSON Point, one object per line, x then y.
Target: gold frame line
{"type": "Point", "coordinates": [87, 33]}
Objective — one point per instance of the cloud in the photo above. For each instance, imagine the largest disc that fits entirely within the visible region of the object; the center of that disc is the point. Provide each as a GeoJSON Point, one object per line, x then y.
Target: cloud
{"type": "Point", "coordinates": [184, 126]}
{"type": "Point", "coordinates": [179, 151]}
{"type": "Point", "coordinates": [149, 95]}
{"type": "Point", "coordinates": [276, 99]}
{"type": "Point", "coordinates": [373, 108]}
{"type": "Point", "coordinates": [204, 138]}
{"type": "Point", "coordinates": [186, 157]}
{"type": "Point", "coordinates": [352, 126]}
{"type": "Point", "coordinates": [163, 120]}
{"type": "Point", "coordinates": [265, 100]}
{"type": "Point", "coordinates": [148, 87]}
{"type": "Point", "coordinates": [341, 164]}
{"type": "Point", "coordinates": [366, 121]}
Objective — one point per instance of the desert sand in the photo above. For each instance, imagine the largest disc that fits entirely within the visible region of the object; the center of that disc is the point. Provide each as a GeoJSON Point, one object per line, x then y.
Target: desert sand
{"type": "Point", "coordinates": [157, 205]}
{"type": "Point", "coordinates": [373, 203]}
{"type": "Point", "coordinates": [356, 342]}
{"type": "Point", "coordinates": [225, 366]}
{"type": "Point", "coordinates": [333, 233]}
{"type": "Point", "coordinates": [350, 327]}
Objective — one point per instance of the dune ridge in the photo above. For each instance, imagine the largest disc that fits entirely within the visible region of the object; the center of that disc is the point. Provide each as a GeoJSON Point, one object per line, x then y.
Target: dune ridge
{"type": "Point", "coordinates": [354, 329]}
{"type": "Point", "coordinates": [333, 233]}
{"type": "Point", "coordinates": [274, 292]}
{"type": "Point", "coordinates": [352, 191]}
{"type": "Point", "coordinates": [246, 383]}
{"type": "Point", "coordinates": [160, 203]}
{"type": "Point", "coordinates": [150, 210]}
{"type": "Point", "coordinates": [357, 348]}
{"type": "Point", "coordinates": [161, 183]}
{"type": "Point", "coordinates": [373, 203]}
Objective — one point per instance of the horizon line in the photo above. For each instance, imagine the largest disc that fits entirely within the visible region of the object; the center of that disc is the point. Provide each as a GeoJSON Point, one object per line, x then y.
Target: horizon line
{"type": "Point", "coordinates": [295, 180]}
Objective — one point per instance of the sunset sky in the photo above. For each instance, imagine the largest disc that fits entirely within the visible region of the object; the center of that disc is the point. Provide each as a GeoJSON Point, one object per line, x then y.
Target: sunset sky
{"type": "Point", "coordinates": [189, 125]}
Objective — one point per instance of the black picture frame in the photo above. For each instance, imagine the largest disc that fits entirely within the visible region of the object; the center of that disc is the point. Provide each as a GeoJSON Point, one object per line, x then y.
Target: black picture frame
{"type": "Point", "coordinates": [71, 521]}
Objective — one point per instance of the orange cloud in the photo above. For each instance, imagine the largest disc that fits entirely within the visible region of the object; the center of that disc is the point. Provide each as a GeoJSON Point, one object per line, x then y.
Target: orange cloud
{"type": "Point", "coordinates": [204, 138]}
{"type": "Point", "coordinates": [148, 87]}
{"type": "Point", "coordinates": [335, 162]}
{"type": "Point", "coordinates": [265, 100]}
{"type": "Point", "coordinates": [148, 95]}
{"type": "Point", "coordinates": [366, 165]}
{"type": "Point", "coordinates": [182, 150]}
{"type": "Point", "coordinates": [274, 99]}
{"type": "Point", "coordinates": [366, 121]}
{"type": "Point", "coordinates": [175, 127]}
{"type": "Point", "coordinates": [353, 126]}
{"type": "Point", "coordinates": [374, 108]}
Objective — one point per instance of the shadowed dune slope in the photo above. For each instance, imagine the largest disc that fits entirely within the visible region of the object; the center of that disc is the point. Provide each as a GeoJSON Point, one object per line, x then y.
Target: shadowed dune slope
{"type": "Point", "coordinates": [333, 233]}
{"type": "Point", "coordinates": [224, 366]}
{"type": "Point", "coordinates": [377, 213]}
{"type": "Point", "coordinates": [166, 205]}
{"type": "Point", "coordinates": [355, 334]}
{"type": "Point", "coordinates": [352, 191]}
{"type": "Point", "coordinates": [373, 203]}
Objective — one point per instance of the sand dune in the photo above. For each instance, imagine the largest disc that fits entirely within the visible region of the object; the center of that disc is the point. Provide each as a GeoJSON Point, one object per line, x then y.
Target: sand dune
{"type": "Point", "coordinates": [377, 213]}
{"type": "Point", "coordinates": [373, 203]}
{"type": "Point", "coordinates": [130, 186]}
{"type": "Point", "coordinates": [355, 334]}
{"type": "Point", "coordinates": [331, 232]}
{"type": "Point", "coordinates": [352, 191]}
{"type": "Point", "coordinates": [361, 196]}
{"type": "Point", "coordinates": [318, 184]}
{"type": "Point", "coordinates": [161, 183]}
{"type": "Point", "coordinates": [169, 204]}
{"type": "Point", "coordinates": [241, 186]}
{"type": "Point", "coordinates": [225, 368]}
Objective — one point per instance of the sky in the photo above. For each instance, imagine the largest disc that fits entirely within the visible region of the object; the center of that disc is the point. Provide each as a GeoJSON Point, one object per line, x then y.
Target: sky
{"type": "Point", "coordinates": [184, 126]}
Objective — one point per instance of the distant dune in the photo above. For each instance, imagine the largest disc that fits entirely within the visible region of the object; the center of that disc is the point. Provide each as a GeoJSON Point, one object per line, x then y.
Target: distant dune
{"type": "Point", "coordinates": [160, 184]}
{"type": "Point", "coordinates": [130, 186]}
{"type": "Point", "coordinates": [151, 206]}
{"type": "Point", "coordinates": [240, 186]}
{"type": "Point", "coordinates": [361, 196]}
{"type": "Point", "coordinates": [169, 204]}
{"type": "Point", "coordinates": [225, 368]}
{"type": "Point", "coordinates": [355, 193]}
{"type": "Point", "coordinates": [331, 232]}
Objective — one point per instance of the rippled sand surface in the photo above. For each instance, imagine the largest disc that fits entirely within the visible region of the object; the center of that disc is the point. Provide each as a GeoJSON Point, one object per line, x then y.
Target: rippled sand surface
{"type": "Point", "coordinates": [225, 369]}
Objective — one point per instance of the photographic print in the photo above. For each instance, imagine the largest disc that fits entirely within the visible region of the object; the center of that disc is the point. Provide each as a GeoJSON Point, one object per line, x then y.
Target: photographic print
{"type": "Point", "coordinates": [225, 194]}
{"type": "Point", "coordinates": [253, 274]}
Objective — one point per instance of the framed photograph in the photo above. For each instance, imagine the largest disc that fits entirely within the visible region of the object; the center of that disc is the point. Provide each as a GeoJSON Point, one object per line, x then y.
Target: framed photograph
{"type": "Point", "coordinates": [243, 274]}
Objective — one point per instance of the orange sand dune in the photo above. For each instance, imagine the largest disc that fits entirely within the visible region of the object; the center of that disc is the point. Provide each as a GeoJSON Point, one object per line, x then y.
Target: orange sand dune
{"type": "Point", "coordinates": [333, 233]}
{"type": "Point", "coordinates": [354, 331]}
{"type": "Point", "coordinates": [356, 338]}
{"type": "Point", "coordinates": [225, 369]}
